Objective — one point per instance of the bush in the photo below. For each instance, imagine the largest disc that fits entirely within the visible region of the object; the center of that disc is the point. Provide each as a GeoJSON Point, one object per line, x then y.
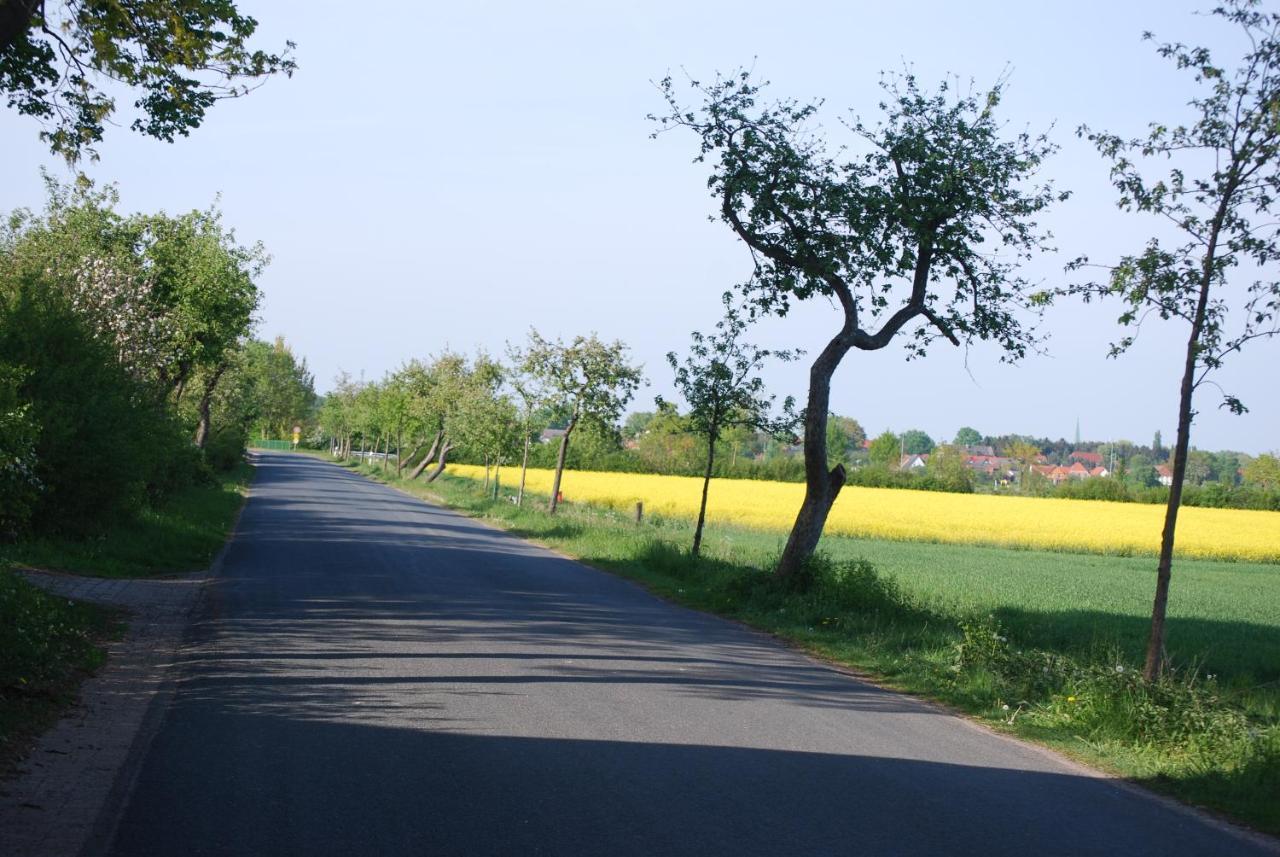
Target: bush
{"type": "Point", "coordinates": [225, 449]}
{"type": "Point", "coordinates": [106, 444]}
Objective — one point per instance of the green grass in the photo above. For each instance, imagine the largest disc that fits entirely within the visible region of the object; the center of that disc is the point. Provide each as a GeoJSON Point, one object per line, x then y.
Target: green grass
{"type": "Point", "coordinates": [984, 628]}
{"type": "Point", "coordinates": [183, 535]}
{"type": "Point", "coordinates": [47, 646]}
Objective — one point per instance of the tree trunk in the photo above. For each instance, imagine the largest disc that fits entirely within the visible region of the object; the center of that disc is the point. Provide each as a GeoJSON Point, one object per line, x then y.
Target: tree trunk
{"type": "Point", "coordinates": [16, 18]}
{"type": "Point", "coordinates": [428, 458]}
{"type": "Point", "coordinates": [439, 468]}
{"type": "Point", "coordinates": [399, 460]}
{"type": "Point", "coordinates": [821, 486]}
{"type": "Point", "coordinates": [206, 400]}
{"type": "Point", "coordinates": [1164, 569]}
{"type": "Point", "coordinates": [524, 469]}
{"type": "Point", "coordinates": [497, 470]}
{"type": "Point", "coordinates": [486, 476]}
{"type": "Point", "coordinates": [386, 448]}
{"type": "Point", "coordinates": [555, 482]}
{"type": "Point", "coordinates": [706, 484]}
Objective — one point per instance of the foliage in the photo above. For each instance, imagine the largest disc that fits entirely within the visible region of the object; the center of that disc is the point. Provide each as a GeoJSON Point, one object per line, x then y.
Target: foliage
{"type": "Point", "coordinates": [280, 388]}
{"type": "Point", "coordinates": [947, 465]}
{"type": "Point", "coordinates": [19, 484]}
{"type": "Point", "coordinates": [589, 380]}
{"type": "Point", "coordinates": [967, 436]}
{"type": "Point", "coordinates": [181, 56]}
{"type": "Point", "coordinates": [885, 450]}
{"type": "Point", "coordinates": [1263, 472]}
{"type": "Point", "coordinates": [718, 380]}
{"type": "Point", "coordinates": [916, 442]}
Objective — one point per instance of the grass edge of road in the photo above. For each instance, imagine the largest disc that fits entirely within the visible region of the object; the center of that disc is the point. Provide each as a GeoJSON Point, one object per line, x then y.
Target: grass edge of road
{"type": "Point", "coordinates": [182, 535]}
{"type": "Point", "coordinates": [1185, 737]}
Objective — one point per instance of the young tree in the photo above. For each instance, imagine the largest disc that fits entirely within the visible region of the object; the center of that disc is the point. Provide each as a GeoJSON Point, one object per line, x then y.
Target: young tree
{"type": "Point", "coordinates": [895, 234]}
{"type": "Point", "coordinates": [885, 450]}
{"type": "Point", "coordinates": [589, 379]}
{"type": "Point", "coordinates": [1217, 197]}
{"type": "Point", "coordinates": [916, 442]}
{"type": "Point", "coordinates": [719, 381]}
{"type": "Point", "coordinates": [184, 55]}
{"type": "Point", "coordinates": [530, 398]}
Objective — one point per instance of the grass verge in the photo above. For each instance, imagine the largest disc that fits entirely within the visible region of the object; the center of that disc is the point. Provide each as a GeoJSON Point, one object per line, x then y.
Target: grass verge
{"type": "Point", "coordinates": [1056, 674]}
{"type": "Point", "coordinates": [48, 645]}
{"type": "Point", "coordinates": [183, 535]}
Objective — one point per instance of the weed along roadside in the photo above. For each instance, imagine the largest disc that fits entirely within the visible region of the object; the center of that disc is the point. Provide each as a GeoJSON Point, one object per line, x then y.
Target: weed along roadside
{"type": "Point", "coordinates": [1056, 665]}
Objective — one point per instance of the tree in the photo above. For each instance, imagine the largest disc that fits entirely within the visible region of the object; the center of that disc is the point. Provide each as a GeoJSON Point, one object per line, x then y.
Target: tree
{"type": "Point", "coordinates": [281, 388]}
{"type": "Point", "coordinates": [968, 437]}
{"type": "Point", "coordinates": [894, 234]}
{"type": "Point", "coordinates": [718, 380]}
{"type": "Point", "coordinates": [1264, 472]}
{"type": "Point", "coordinates": [947, 466]}
{"type": "Point", "coordinates": [183, 56]}
{"type": "Point", "coordinates": [1157, 449]}
{"type": "Point", "coordinates": [589, 379]}
{"type": "Point", "coordinates": [916, 442]}
{"type": "Point", "coordinates": [844, 437]}
{"type": "Point", "coordinates": [1026, 454]}
{"type": "Point", "coordinates": [1217, 197]}
{"type": "Point", "coordinates": [886, 450]}
{"type": "Point", "coordinates": [489, 427]}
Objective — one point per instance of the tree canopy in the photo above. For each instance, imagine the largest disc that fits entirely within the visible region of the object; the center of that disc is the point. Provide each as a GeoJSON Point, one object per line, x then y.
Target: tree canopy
{"type": "Point", "coordinates": [179, 56]}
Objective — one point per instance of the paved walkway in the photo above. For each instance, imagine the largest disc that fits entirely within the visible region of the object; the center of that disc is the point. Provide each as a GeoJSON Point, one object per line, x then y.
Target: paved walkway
{"type": "Point", "coordinates": [54, 805]}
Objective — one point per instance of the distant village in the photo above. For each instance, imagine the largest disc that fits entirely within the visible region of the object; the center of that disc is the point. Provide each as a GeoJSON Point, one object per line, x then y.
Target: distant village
{"type": "Point", "coordinates": [983, 462]}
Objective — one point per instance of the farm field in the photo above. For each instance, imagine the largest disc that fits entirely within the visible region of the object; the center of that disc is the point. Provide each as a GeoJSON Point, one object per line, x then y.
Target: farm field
{"type": "Point", "coordinates": [1081, 526]}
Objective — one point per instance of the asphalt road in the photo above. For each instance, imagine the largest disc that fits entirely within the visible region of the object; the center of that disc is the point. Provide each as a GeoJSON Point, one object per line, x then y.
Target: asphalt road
{"type": "Point", "coordinates": [374, 675]}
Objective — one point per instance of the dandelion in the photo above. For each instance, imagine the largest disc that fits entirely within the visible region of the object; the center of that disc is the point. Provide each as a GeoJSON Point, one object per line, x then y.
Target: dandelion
{"type": "Point", "coordinates": [1071, 699]}
{"type": "Point", "coordinates": [1119, 668]}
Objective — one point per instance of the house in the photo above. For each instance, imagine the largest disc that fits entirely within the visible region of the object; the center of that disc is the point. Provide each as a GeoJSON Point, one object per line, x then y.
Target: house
{"type": "Point", "coordinates": [1164, 473]}
{"type": "Point", "coordinates": [914, 462]}
{"type": "Point", "coordinates": [1077, 471]}
{"type": "Point", "coordinates": [1099, 471]}
{"type": "Point", "coordinates": [1091, 459]}
{"type": "Point", "coordinates": [551, 435]}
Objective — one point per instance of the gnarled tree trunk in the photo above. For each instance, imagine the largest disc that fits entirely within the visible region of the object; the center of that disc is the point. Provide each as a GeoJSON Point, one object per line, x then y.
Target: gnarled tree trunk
{"type": "Point", "coordinates": [428, 458]}
{"type": "Point", "coordinates": [821, 486]}
{"type": "Point", "coordinates": [206, 401]}
{"type": "Point", "coordinates": [555, 482]}
{"type": "Point", "coordinates": [439, 468]}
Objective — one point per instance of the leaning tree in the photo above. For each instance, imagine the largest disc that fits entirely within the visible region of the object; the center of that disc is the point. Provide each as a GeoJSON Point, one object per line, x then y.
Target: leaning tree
{"type": "Point", "coordinates": [1219, 182]}
{"type": "Point", "coordinates": [921, 222]}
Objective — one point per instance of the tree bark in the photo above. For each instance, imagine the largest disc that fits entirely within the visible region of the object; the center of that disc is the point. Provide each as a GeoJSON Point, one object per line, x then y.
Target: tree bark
{"type": "Point", "coordinates": [206, 400]}
{"type": "Point", "coordinates": [16, 18]}
{"type": "Point", "coordinates": [428, 458]}
{"type": "Point", "coordinates": [555, 482]}
{"type": "Point", "coordinates": [706, 484]}
{"type": "Point", "coordinates": [822, 486]}
{"type": "Point", "coordinates": [399, 459]}
{"type": "Point", "coordinates": [439, 468]}
{"type": "Point", "coordinates": [524, 469]}
{"type": "Point", "coordinates": [1155, 660]}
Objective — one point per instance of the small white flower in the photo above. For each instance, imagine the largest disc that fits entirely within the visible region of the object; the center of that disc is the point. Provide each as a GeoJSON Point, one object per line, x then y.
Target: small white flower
{"type": "Point", "coordinates": [1119, 668]}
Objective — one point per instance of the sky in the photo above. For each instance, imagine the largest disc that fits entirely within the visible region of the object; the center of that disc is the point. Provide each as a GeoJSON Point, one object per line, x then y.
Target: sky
{"type": "Point", "coordinates": [451, 175]}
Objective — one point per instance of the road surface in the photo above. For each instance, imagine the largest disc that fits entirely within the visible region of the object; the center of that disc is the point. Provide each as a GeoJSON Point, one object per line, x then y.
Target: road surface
{"type": "Point", "coordinates": [374, 675]}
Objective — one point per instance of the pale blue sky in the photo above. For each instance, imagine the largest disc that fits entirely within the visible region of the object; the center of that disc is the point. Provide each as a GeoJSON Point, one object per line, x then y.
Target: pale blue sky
{"type": "Point", "coordinates": [440, 176]}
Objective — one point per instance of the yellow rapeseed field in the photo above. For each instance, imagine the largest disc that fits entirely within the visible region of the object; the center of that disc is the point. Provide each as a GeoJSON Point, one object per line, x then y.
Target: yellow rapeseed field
{"type": "Point", "coordinates": [883, 513]}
